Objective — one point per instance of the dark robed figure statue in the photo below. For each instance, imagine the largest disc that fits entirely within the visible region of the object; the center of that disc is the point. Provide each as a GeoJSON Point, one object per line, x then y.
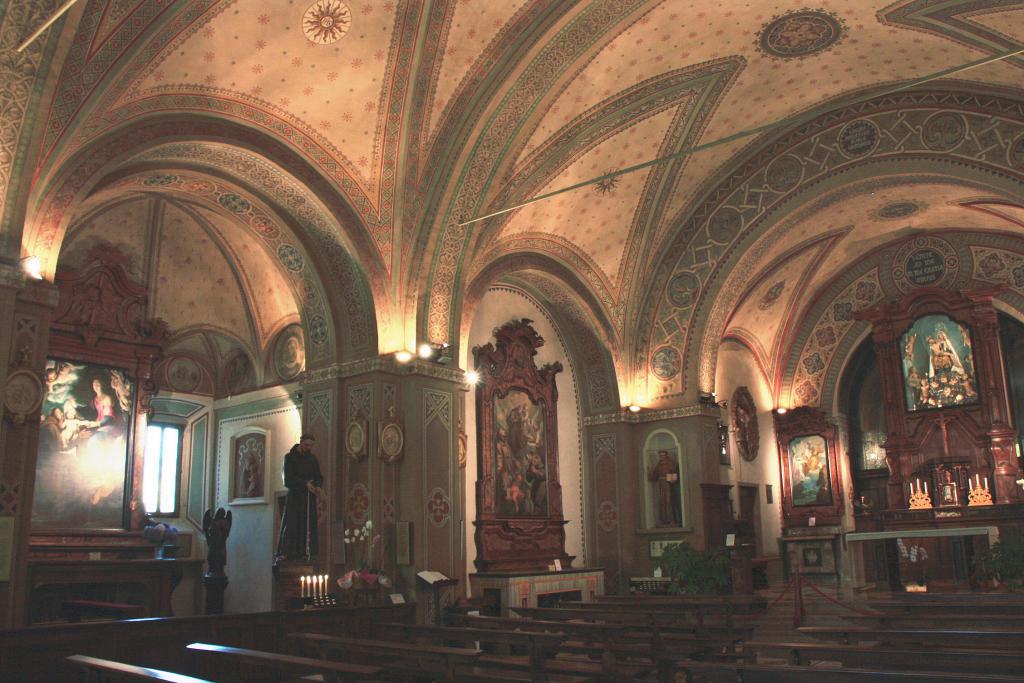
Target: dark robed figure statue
{"type": "Point", "coordinates": [303, 479]}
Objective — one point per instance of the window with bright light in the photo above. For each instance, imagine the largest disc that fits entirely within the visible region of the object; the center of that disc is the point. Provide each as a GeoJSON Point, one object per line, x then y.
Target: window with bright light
{"type": "Point", "coordinates": [160, 470]}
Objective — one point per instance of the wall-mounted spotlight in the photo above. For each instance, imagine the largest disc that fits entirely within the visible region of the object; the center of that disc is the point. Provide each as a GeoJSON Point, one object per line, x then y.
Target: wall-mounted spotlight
{"type": "Point", "coordinates": [33, 267]}
{"type": "Point", "coordinates": [403, 356]}
{"type": "Point", "coordinates": [706, 397]}
{"type": "Point", "coordinates": [434, 352]}
{"type": "Point", "coordinates": [781, 411]}
{"type": "Point", "coordinates": [633, 408]}
{"type": "Point", "coordinates": [472, 377]}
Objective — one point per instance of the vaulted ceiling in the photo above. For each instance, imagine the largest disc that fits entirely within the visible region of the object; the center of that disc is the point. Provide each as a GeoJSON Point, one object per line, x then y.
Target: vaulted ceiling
{"type": "Point", "coordinates": [401, 120]}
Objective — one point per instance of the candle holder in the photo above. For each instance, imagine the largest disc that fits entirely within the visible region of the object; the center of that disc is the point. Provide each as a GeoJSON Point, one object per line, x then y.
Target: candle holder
{"type": "Point", "coordinates": [919, 500]}
{"type": "Point", "coordinates": [979, 496]}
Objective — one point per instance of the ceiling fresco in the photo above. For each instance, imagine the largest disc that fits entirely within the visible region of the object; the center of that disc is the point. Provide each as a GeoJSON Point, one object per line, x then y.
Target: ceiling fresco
{"type": "Point", "coordinates": [378, 127]}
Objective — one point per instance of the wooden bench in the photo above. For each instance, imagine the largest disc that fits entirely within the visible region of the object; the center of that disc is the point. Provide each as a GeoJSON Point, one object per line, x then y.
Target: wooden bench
{"type": "Point", "coordinates": [331, 671]}
{"type": "Point", "coordinates": [101, 670]}
{"type": "Point", "coordinates": [962, 638]}
{"type": "Point", "coordinates": [539, 649]}
{"type": "Point", "coordinates": [701, 612]}
{"type": "Point", "coordinates": [927, 607]}
{"type": "Point", "coordinates": [75, 610]}
{"type": "Point", "coordinates": [655, 623]}
{"type": "Point", "coordinates": [784, 673]}
{"type": "Point", "coordinates": [954, 618]}
{"type": "Point", "coordinates": [873, 657]}
{"type": "Point", "coordinates": [445, 662]}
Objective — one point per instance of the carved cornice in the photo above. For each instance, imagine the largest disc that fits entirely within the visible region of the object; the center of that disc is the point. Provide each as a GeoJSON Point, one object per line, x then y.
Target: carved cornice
{"type": "Point", "coordinates": [626, 417]}
{"type": "Point", "coordinates": [386, 364]}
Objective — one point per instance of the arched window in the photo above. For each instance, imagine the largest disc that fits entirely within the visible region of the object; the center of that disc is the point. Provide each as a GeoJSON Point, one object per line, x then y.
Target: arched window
{"type": "Point", "coordinates": [662, 480]}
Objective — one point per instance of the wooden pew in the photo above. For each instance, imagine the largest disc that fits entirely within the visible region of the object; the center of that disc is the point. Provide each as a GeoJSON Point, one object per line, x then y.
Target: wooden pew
{"type": "Point", "coordinates": [331, 671]}
{"type": "Point", "coordinates": [785, 673]}
{"type": "Point", "coordinates": [540, 647]}
{"type": "Point", "coordinates": [448, 663]}
{"type": "Point", "coordinates": [874, 657]}
{"type": "Point", "coordinates": [963, 638]}
{"type": "Point", "coordinates": [702, 610]}
{"type": "Point", "coordinates": [928, 607]}
{"type": "Point", "coordinates": [659, 624]}
{"type": "Point", "coordinates": [99, 670]}
{"type": "Point", "coordinates": [954, 618]}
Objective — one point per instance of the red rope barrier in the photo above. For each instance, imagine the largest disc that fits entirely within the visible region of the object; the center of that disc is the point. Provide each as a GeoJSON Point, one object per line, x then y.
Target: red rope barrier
{"type": "Point", "coordinates": [843, 604]}
{"type": "Point", "coordinates": [782, 594]}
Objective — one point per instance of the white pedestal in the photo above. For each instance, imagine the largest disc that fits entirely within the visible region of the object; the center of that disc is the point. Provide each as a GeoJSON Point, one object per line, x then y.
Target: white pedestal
{"type": "Point", "coordinates": [536, 589]}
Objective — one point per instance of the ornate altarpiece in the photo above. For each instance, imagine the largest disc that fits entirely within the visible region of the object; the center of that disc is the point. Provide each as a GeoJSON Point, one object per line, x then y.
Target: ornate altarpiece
{"type": "Point", "coordinates": [100, 319]}
{"type": "Point", "coordinates": [934, 438]}
{"type": "Point", "coordinates": [519, 524]}
{"type": "Point", "coordinates": [811, 486]}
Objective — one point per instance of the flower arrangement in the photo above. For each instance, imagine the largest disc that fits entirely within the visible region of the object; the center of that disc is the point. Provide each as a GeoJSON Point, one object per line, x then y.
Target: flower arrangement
{"type": "Point", "coordinates": [916, 555]}
{"type": "Point", "coordinates": [159, 533]}
{"type": "Point", "coordinates": [368, 572]}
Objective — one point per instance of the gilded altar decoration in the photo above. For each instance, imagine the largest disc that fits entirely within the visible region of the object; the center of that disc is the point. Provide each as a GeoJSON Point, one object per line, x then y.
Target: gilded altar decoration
{"type": "Point", "coordinates": [809, 471]}
{"type": "Point", "coordinates": [938, 364]}
{"type": "Point", "coordinates": [979, 495]}
{"type": "Point", "coordinates": [919, 497]}
{"type": "Point", "coordinates": [83, 446]}
{"type": "Point", "coordinates": [519, 521]}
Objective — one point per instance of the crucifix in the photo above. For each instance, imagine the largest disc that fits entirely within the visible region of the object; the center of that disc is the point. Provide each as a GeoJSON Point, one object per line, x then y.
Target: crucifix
{"type": "Point", "coordinates": [943, 421]}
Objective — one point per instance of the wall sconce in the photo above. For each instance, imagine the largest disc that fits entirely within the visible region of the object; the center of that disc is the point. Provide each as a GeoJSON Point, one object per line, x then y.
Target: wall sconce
{"type": "Point", "coordinates": [32, 267]}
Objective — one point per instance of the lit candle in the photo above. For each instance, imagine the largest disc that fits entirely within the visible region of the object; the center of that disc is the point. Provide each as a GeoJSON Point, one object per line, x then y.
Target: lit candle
{"type": "Point", "coordinates": [316, 585]}
{"type": "Point", "coordinates": [926, 488]}
{"type": "Point", "coordinates": [986, 483]}
{"type": "Point", "coordinates": [970, 484]}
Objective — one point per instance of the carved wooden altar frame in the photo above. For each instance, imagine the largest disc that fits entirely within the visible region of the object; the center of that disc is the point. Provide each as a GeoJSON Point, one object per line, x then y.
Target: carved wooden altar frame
{"type": "Point", "coordinates": [100, 318]}
{"type": "Point", "coordinates": [520, 542]}
{"type": "Point", "coordinates": [807, 421]}
{"type": "Point", "coordinates": [980, 435]}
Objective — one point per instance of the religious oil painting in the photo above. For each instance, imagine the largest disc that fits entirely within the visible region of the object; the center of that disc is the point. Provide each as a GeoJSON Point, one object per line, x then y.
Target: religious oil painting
{"type": "Point", "coordinates": [520, 467]}
{"type": "Point", "coordinates": [938, 364]}
{"type": "Point", "coordinates": [808, 470]}
{"type": "Point", "coordinates": [83, 447]}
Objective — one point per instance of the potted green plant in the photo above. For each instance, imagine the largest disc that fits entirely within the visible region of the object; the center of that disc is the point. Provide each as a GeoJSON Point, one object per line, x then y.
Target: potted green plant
{"type": "Point", "coordinates": [1004, 562]}
{"type": "Point", "coordinates": [695, 571]}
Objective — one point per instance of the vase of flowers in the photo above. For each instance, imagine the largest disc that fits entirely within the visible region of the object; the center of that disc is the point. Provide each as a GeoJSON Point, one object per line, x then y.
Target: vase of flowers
{"type": "Point", "coordinates": [163, 536]}
{"type": "Point", "coordinates": [369, 575]}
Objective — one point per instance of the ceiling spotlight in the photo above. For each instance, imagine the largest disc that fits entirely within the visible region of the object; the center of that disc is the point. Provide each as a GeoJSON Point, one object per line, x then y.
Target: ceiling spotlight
{"type": "Point", "coordinates": [33, 267]}
{"type": "Point", "coordinates": [472, 377]}
{"type": "Point", "coordinates": [403, 356]}
{"type": "Point", "coordinates": [633, 408]}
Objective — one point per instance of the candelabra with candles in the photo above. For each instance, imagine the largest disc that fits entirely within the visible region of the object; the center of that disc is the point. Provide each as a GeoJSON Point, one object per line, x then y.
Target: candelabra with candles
{"type": "Point", "coordinates": [919, 498]}
{"type": "Point", "coordinates": [315, 592]}
{"type": "Point", "coordinates": [979, 493]}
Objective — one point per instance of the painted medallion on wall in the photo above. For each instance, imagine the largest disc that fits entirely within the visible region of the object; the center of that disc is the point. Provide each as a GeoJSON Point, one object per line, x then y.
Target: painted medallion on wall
{"type": "Point", "coordinates": [744, 424]}
{"type": "Point", "coordinates": [800, 33]}
{"type": "Point", "coordinates": [83, 447]}
{"type": "Point", "coordinates": [938, 364]}
{"type": "Point", "coordinates": [808, 468]}
{"type": "Point", "coordinates": [665, 363]}
{"type": "Point", "coordinates": [183, 374]}
{"type": "Point", "coordinates": [355, 439]}
{"type": "Point", "coordinates": [326, 21]}
{"type": "Point", "coordinates": [391, 441]}
{"type": "Point", "coordinates": [290, 353]}
{"type": "Point", "coordinates": [520, 453]}
{"type": "Point", "coordinates": [924, 262]}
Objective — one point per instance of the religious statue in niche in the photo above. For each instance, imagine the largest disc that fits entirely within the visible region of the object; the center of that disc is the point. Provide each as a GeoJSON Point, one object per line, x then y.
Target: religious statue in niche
{"type": "Point", "coordinates": [808, 467]}
{"type": "Point", "coordinates": [83, 446]}
{"type": "Point", "coordinates": [744, 421]}
{"type": "Point", "coordinates": [520, 464]}
{"type": "Point", "coordinates": [664, 475]}
{"type": "Point", "coordinates": [938, 364]}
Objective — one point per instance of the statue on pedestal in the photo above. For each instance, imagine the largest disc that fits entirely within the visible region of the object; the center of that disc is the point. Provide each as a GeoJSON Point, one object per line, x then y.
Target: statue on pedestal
{"type": "Point", "coordinates": [298, 539]}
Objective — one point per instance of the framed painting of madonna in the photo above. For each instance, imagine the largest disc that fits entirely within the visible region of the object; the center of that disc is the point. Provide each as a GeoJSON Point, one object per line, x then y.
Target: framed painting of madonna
{"type": "Point", "coordinates": [938, 364]}
{"type": "Point", "coordinates": [83, 458]}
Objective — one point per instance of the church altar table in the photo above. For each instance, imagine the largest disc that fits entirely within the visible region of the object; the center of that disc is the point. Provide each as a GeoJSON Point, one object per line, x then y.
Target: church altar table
{"type": "Point", "coordinates": [148, 583]}
{"type": "Point", "coordinates": [990, 531]}
{"type": "Point", "coordinates": [537, 588]}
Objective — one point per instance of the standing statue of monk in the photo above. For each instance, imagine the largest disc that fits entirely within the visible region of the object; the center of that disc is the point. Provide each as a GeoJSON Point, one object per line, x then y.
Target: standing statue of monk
{"type": "Point", "coordinates": [666, 474]}
{"type": "Point", "coordinates": [302, 477]}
